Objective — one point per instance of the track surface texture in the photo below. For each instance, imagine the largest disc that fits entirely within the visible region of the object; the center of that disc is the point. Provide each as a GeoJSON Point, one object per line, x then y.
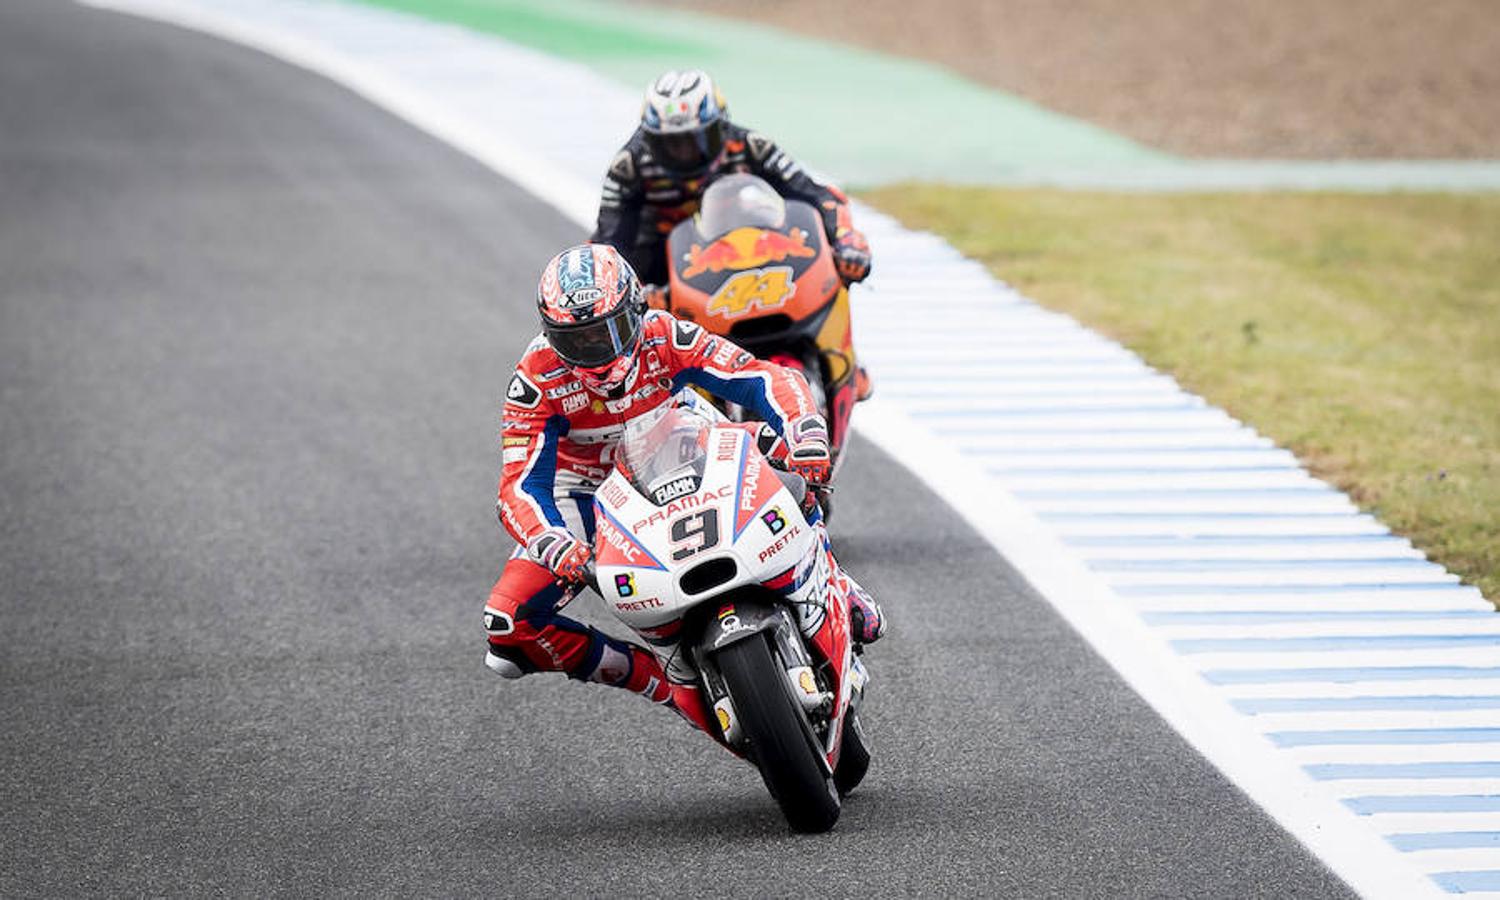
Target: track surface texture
{"type": "Point", "coordinates": [1275, 79]}
{"type": "Point", "coordinates": [254, 338]}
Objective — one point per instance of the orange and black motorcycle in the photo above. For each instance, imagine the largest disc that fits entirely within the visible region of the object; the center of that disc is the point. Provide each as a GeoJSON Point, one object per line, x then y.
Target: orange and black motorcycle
{"type": "Point", "coordinates": [757, 268]}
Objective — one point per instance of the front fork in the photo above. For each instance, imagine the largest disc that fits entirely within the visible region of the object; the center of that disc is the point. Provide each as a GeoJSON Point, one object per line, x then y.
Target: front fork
{"type": "Point", "coordinates": [829, 684]}
{"type": "Point", "coordinates": [780, 625]}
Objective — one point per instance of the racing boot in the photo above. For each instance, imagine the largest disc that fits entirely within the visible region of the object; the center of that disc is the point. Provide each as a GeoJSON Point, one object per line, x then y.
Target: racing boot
{"type": "Point", "coordinates": [866, 621]}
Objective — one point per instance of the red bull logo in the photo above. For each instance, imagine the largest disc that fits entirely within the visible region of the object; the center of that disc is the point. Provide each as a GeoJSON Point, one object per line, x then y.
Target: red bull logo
{"type": "Point", "coordinates": [746, 248]}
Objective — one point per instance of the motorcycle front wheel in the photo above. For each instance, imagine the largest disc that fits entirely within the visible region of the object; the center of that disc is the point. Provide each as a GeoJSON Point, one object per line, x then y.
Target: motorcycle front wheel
{"type": "Point", "coordinates": [781, 740]}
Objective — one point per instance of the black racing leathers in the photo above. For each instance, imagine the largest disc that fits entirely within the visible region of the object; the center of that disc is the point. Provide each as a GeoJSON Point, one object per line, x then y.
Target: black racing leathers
{"type": "Point", "coordinates": [642, 200]}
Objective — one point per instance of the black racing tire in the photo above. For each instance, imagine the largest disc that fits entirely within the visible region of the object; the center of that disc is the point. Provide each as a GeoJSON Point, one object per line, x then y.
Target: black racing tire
{"type": "Point", "coordinates": [854, 758]}
{"type": "Point", "coordinates": [781, 741]}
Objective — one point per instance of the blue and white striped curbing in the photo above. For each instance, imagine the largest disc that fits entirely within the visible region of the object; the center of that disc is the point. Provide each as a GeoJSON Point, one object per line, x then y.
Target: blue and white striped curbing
{"type": "Point", "coordinates": [1347, 684]}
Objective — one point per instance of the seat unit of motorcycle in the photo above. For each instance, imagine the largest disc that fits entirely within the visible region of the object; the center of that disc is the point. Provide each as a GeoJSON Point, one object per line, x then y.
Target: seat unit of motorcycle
{"type": "Point", "coordinates": [743, 614]}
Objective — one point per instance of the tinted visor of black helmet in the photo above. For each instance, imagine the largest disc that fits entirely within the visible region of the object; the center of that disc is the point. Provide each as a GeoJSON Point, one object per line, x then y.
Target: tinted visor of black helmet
{"type": "Point", "coordinates": [597, 342]}
{"type": "Point", "coordinates": [688, 151]}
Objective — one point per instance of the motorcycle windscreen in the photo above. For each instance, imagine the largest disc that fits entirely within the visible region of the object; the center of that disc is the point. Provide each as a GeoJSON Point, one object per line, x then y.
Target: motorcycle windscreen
{"type": "Point", "coordinates": [663, 453]}
{"type": "Point", "coordinates": [735, 201]}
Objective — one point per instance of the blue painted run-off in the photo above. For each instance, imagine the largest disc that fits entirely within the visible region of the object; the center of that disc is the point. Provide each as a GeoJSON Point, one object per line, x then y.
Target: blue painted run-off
{"type": "Point", "coordinates": [1336, 642]}
{"type": "Point", "coordinates": [1260, 705]}
{"type": "Point", "coordinates": [1282, 616]}
{"type": "Point", "coordinates": [1350, 674]}
{"type": "Point", "coordinates": [1464, 882]}
{"type": "Point", "coordinates": [1143, 471]}
{"type": "Point", "coordinates": [1444, 840]}
{"type": "Point", "coordinates": [1188, 541]}
{"type": "Point", "coordinates": [1161, 590]}
{"type": "Point", "coordinates": [1313, 490]}
{"type": "Point", "coordinates": [1424, 803]}
{"type": "Point", "coordinates": [1384, 736]}
{"type": "Point", "coordinates": [1149, 451]}
{"type": "Point", "coordinates": [1402, 771]}
{"type": "Point", "coordinates": [1233, 565]}
{"type": "Point", "coordinates": [1194, 408]}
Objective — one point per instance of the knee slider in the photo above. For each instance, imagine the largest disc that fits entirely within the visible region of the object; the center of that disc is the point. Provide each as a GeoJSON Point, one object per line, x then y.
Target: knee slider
{"type": "Point", "coordinates": [503, 661]}
{"type": "Point", "coordinates": [497, 623]}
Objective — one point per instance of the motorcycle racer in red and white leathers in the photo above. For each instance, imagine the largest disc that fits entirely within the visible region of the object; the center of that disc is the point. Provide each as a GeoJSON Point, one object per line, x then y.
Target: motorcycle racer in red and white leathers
{"type": "Point", "coordinates": [599, 362]}
{"type": "Point", "coordinates": [684, 142]}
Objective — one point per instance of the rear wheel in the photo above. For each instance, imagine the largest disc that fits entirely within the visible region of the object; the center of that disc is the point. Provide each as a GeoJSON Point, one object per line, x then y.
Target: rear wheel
{"type": "Point", "coordinates": [781, 740]}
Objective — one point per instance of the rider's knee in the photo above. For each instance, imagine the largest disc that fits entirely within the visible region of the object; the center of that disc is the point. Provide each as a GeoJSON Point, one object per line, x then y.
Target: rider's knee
{"type": "Point", "coordinates": [504, 658]}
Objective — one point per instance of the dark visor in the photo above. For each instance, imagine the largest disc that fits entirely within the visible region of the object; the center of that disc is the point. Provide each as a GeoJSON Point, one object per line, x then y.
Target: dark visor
{"type": "Point", "coordinates": [681, 149]}
{"type": "Point", "coordinates": [687, 150]}
{"type": "Point", "coordinates": [598, 342]}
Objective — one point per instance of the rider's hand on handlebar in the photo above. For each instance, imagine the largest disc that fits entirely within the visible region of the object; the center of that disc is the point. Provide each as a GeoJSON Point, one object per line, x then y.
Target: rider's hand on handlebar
{"type": "Point", "coordinates": [808, 455]}
{"type": "Point", "coordinates": [812, 463]}
{"type": "Point", "coordinates": [566, 556]}
{"type": "Point", "coordinates": [851, 255]}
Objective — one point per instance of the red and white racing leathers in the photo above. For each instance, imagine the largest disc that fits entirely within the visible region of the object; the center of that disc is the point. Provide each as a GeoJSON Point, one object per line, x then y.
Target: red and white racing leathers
{"type": "Point", "coordinates": [557, 440]}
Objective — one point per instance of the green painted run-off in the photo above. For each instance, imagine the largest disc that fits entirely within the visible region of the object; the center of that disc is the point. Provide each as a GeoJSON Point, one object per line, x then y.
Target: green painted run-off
{"type": "Point", "coordinates": [867, 117]}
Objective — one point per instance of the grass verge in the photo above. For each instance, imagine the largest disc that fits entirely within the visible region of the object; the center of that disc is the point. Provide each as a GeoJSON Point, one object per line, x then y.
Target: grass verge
{"type": "Point", "coordinates": [1360, 331]}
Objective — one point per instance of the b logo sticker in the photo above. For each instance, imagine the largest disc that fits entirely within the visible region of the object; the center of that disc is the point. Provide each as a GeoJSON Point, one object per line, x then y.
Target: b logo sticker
{"type": "Point", "coordinates": [774, 520]}
{"type": "Point", "coordinates": [625, 584]}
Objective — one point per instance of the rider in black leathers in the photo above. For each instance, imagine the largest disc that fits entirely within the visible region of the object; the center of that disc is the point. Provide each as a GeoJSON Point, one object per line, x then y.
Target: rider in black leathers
{"type": "Point", "coordinates": [685, 141]}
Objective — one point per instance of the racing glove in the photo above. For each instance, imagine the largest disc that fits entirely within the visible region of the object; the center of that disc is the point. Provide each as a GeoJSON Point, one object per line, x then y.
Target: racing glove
{"type": "Point", "coordinates": [564, 555]}
{"type": "Point", "coordinates": [808, 455]}
{"type": "Point", "coordinates": [851, 255]}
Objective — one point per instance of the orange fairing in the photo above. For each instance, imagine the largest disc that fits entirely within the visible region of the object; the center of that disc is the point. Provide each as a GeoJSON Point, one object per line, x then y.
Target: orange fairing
{"type": "Point", "coordinates": [746, 248]}
{"type": "Point", "coordinates": [753, 271]}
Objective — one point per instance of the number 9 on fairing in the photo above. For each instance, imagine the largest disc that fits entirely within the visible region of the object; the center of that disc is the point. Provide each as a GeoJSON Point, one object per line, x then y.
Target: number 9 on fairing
{"type": "Point", "coordinates": [694, 533]}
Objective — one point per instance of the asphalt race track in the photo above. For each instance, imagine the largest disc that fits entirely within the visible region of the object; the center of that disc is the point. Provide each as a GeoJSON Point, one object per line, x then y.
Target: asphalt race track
{"type": "Point", "coordinates": [253, 338]}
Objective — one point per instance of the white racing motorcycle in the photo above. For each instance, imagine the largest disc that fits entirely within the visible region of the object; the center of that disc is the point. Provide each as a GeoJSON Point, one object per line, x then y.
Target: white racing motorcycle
{"type": "Point", "coordinates": [702, 548]}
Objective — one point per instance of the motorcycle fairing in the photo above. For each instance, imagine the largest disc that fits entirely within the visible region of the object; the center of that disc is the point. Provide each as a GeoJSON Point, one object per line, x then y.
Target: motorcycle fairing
{"type": "Point", "coordinates": [798, 247]}
{"type": "Point", "coordinates": [725, 520]}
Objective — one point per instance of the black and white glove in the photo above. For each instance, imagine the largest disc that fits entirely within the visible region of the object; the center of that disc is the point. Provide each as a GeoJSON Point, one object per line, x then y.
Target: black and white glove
{"type": "Point", "coordinates": [807, 449]}
{"type": "Point", "coordinates": [564, 555]}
